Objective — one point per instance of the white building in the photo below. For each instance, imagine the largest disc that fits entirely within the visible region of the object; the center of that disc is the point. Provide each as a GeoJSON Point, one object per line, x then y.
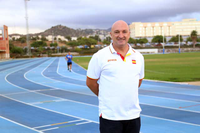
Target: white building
{"type": "Point", "coordinates": [184, 28]}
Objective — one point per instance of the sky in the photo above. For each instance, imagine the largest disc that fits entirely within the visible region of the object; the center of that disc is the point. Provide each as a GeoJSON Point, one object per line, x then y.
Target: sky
{"type": "Point", "coordinates": [91, 14]}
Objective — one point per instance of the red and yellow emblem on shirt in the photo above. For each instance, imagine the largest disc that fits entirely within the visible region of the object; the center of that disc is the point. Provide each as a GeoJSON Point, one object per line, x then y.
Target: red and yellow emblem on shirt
{"type": "Point", "coordinates": [133, 61]}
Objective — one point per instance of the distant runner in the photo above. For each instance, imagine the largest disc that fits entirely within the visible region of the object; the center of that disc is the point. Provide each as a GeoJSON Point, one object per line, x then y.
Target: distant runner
{"type": "Point", "coordinates": [69, 58]}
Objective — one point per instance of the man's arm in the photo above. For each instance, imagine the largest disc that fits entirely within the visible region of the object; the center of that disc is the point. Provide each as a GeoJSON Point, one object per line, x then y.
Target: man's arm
{"type": "Point", "coordinates": [93, 85]}
{"type": "Point", "coordinates": [140, 82]}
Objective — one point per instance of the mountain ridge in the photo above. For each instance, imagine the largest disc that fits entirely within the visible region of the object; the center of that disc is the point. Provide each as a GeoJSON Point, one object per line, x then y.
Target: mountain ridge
{"type": "Point", "coordinates": [67, 31]}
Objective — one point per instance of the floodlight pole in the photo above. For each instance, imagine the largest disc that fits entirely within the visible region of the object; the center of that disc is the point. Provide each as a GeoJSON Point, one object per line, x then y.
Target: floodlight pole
{"type": "Point", "coordinates": [179, 49]}
{"type": "Point", "coordinates": [27, 29]}
{"type": "Point", "coordinates": [163, 43]}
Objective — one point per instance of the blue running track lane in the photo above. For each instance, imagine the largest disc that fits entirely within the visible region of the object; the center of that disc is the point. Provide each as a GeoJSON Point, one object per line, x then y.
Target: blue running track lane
{"type": "Point", "coordinates": [41, 95]}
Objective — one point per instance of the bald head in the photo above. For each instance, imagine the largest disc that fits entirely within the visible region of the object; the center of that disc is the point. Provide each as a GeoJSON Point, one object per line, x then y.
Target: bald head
{"type": "Point", "coordinates": [119, 23]}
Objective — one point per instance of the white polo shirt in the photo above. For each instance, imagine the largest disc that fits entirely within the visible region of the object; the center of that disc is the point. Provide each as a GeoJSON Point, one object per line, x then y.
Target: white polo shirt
{"type": "Point", "coordinates": [118, 82]}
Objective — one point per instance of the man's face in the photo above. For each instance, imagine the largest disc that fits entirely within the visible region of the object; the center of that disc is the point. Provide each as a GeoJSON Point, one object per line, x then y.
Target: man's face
{"type": "Point", "coordinates": [120, 33]}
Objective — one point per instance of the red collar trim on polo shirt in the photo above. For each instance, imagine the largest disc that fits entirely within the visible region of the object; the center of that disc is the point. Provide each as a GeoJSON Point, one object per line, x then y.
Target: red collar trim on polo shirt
{"type": "Point", "coordinates": [123, 58]}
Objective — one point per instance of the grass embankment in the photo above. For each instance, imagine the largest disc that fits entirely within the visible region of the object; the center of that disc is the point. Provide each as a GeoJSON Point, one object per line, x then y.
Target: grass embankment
{"type": "Point", "coordinates": [166, 67]}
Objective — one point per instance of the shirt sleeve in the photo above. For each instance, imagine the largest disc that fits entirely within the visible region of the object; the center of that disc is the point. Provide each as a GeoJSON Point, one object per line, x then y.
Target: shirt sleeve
{"type": "Point", "coordinates": [93, 71]}
{"type": "Point", "coordinates": [141, 75]}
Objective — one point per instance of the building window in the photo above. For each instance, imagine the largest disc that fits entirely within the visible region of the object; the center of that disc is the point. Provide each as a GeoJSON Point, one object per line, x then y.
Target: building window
{"type": "Point", "coordinates": [1, 35]}
{"type": "Point", "coordinates": [6, 34]}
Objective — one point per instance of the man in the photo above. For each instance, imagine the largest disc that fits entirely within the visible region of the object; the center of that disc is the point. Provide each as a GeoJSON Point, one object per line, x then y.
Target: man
{"type": "Point", "coordinates": [69, 61]}
{"type": "Point", "coordinates": [114, 74]}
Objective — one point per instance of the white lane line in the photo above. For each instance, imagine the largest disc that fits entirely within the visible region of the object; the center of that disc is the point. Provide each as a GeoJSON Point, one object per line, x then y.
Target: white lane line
{"type": "Point", "coordinates": [49, 109]}
{"type": "Point", "coordinates": [17, 93]}
{"type": "Point", "coordinates": [170, 120]}
{"type": "Point", "coordinates": [171, 92]}
{"type": "Point", "coordinates": [57, 123]}
{"type": "Point", "coordinates": [169, 98]}
{"type": "Point", "coordinates": [20, 124]}
{"type": "Point", "coordinates": [16, 71]}
{"type": "Point", "coordinates": [181, 87]}
{"type": "Point", "coordinates": [50, 95]}
{"type": "Point", "coordinates": [49, 129]}
{"type": "Point", "coordinates": [158, 81]}
{"type": "Point", "coordinates": [66, 126]}
{"type": "Point", "coordinates": [49, 101]}
{"type": "Point", "coordinates": [171, 108]}
{"type": "Point", "coordinates": [58, 68]}
{"type": "Point", "coordinates": [83, 123]}
{"type": "Point", "coordinates": [55, 80]}
{"type": "Point", "coordinates": [62, 82]}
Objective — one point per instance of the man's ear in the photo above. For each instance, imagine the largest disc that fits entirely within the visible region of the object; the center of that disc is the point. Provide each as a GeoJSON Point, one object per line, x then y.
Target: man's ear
{"type": "Point", "coordinates": [110, 35]}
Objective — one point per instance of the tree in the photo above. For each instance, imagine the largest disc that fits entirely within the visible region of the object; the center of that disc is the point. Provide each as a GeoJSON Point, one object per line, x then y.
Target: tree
{"type": "Point", "coordinates": [73, 43]}
{"type": "Point", "coordinates": [59, 39]}
{"type": "Point", "coordinates": [194, 37]}
{"type": "Point", "coordinates": [132, 41]}
{"type": "Point", "coordinates": [43, 38]}
{"type": "Point", "coordinates": [68, 38]}
{"type": "Point", "coordinates": [40, 50]}
{"type": "Point", "coordinates": [63, 49]}
{"type": "Point", "coordinates": [53, 45]}
{"type": "Point", "coordinates": [33, 38]}
{"type": "Point", "coordinates": [176, 39]}
{"type": "Point", "coordinates": [79, 38]}
{"type": "Point", "coordinates": [87, 41]}
{"type": "Point", "coordinates": [142, 40]}
{"type": "Point", "coordinates": [13, 38]}
{"type": "Point", "coordinates": [188, 39]}
{"type": "Point", "coordinates": [108, 38]}
{"type": "Point", "coordinates": [22, 39]}
{"type": "Point", "coordinates": [158, 39]}
{"type": "Point", "coordinates": [38, 44]}
{"type": "Point", "coordinates": [106, 42]}
{"type": "Point", "coordinates": [10, 44]}
{"type": "Point", "coordinates": [16, 50]}
{"type": "Point", "coordinates": [96, 37]}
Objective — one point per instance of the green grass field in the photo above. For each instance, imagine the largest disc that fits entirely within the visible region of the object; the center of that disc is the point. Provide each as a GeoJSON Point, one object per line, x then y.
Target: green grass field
{"type": "Point", "coordinates": [166, 67]}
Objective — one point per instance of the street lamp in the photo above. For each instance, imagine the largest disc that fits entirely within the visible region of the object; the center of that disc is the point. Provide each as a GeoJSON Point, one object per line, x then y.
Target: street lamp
{"type": "Point", "coordinates": [27, 29]}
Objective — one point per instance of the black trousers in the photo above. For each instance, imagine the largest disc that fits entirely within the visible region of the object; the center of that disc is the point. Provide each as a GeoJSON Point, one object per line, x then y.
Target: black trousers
{"type": "Point", "coordinates": [124, 126]}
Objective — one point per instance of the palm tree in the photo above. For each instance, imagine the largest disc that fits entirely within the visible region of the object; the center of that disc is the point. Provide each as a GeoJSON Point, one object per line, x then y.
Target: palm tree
{"type": "Point", "coordinates": [194, 37]}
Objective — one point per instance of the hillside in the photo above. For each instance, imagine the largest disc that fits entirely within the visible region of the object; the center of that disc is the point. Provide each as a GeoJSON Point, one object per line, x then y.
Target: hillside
{"type": "Point", "coordinates": [66, 31]}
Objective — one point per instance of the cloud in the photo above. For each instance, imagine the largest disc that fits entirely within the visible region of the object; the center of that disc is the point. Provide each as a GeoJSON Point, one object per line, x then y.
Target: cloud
{"type": "Point", "coordinates": [94, 14]}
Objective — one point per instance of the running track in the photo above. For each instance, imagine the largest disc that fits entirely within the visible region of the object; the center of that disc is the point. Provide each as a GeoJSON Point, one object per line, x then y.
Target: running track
{"type": "Point", "coordinates": [41, 95]}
